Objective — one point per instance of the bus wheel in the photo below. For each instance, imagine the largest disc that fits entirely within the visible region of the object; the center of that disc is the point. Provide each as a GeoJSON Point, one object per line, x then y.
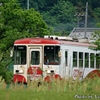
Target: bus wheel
{"type": "Point", "coordinates": [93, 74]}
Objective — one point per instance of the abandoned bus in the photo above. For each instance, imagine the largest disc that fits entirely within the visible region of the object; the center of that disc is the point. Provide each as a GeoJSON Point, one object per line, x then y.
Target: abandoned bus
{"type": "Point", "coordinates": [36, 58]}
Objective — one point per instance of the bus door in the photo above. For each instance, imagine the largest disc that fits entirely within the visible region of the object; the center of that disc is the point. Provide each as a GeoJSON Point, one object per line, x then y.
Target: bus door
{"type": "Point", "coordinates": [35, 63]}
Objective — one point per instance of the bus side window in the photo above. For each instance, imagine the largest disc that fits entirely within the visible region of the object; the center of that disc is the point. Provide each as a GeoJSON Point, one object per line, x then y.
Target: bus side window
{"type": "Point", "coordinates": [87, 60]}
{"type": "Point", "coordinates": [80, 59]}
{"type": "Point", "coordinates": [74, 59]}
{"type": "Point", "coordinates": [92, 60]}
{"type": "Point", "coordinates": [66, 58]}
{"type": "Point", "coordinates": [97, 60]}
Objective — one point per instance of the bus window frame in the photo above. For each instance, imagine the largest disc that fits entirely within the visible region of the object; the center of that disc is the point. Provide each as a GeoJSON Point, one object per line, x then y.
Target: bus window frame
{"type": "Point", "coordinates": [52, 62]}
{"type": "Point", "coordinates": [15, 55]}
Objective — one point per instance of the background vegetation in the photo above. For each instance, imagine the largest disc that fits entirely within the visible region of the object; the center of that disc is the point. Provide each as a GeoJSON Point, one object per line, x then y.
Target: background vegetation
{"type": "Point", "coordinates": [60, 14]}
{"type": "Point", "coordinates": [44, 17]}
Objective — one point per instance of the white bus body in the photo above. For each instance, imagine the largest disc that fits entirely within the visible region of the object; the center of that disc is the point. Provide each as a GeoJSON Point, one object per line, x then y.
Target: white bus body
{"type": "Point", "coordinates": [65, 59]}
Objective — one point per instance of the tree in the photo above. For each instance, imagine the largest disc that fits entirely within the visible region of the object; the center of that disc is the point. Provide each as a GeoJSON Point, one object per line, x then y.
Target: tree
{"type": "Point", "coordinates": [60, 13]}
{"type": "Point", "coordinates": [97, 13]}
{"type": "Point", "coordinates": [17, 23]}
{"type": "Point", "coordinates": [97, 38]}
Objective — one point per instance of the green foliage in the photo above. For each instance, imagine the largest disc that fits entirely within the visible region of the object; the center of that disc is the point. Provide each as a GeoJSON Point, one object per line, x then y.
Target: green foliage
{"type": "Point", "coordinates": [58, 12]}
{"type": "Point", "coordinates": [61, 14]}
{"type": "Point", "coordinates": [96, 37]}
{"type": "Point", "coordinates": [97, 13]}
{"type": "Point", "coordinates": [2, 83]}
{"type": "Point", "coordinates": [16, 23]}
{"type": "Point", "coordinates": [64, 12]}
{"type": "Point", "coordinates": [57, 90]}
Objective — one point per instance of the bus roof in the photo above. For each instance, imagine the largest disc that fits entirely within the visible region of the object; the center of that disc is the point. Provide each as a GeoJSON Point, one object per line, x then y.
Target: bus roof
{"type": "Point", "coordinates": [77, 43]}
{"type": "Point", "coordinates": [50, 41]}
{"type": "Point", "coordinates": [36, 41]}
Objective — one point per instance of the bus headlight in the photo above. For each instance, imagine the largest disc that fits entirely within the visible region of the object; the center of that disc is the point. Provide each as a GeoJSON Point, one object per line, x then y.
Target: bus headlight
{"type": "Point", "coordinates": [51, 72]}
{"type": "Point", "coordinates": [48, 72]}
{"type": "Point", "coordinates": [21, 71]}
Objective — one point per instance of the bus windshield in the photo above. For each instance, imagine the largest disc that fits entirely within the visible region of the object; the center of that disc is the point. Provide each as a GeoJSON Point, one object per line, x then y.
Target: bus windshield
{"type": "Point", "coordinates": [51, 55]}
{"type": "Point", "coordinates": [19, 55]}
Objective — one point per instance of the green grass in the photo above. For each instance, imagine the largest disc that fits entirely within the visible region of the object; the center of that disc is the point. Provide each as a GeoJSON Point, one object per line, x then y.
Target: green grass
{"type": "Point", "coordinates": [57, 90]}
